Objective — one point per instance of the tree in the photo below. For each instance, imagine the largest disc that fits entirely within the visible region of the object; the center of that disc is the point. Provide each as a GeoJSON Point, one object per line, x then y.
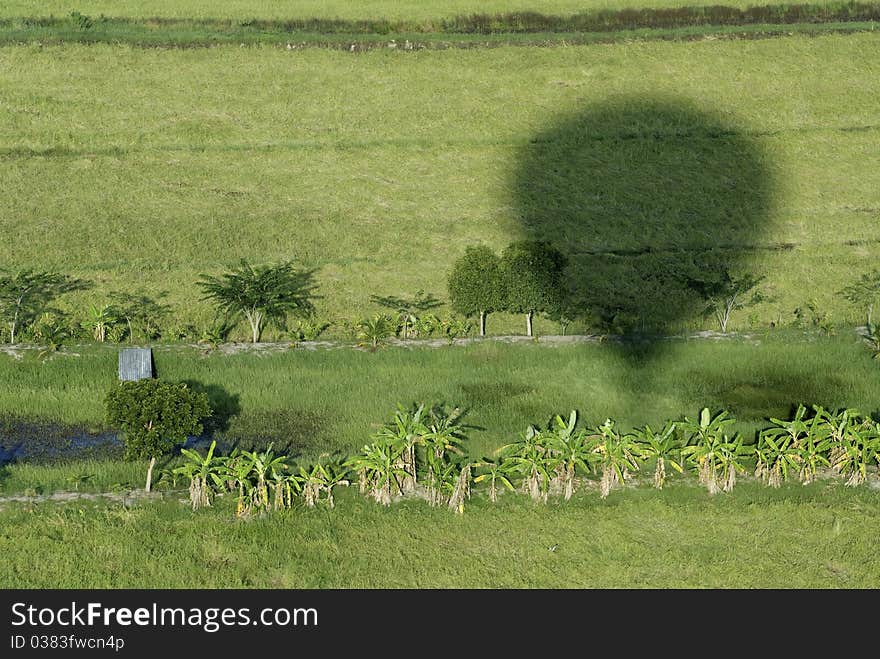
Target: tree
{"type": "Point", "coordinates": [265, 293]}
{"type": "Point", "coordinates": [140, 311]}
{"type": "Point", "coordinates": [408, 308]}
{"type": "Point", "coordinates": [27, 294]}
{"type": "Point", "coordinates": [533, 275]}
{"type": "Point", "coordinates": [725, 293]}
{"type": "Point", "coordinates": [154, 416]}
{"type": "Point", "coordinates": [865, 293]}
{"type": "Point", "coordinates": [476, 284]}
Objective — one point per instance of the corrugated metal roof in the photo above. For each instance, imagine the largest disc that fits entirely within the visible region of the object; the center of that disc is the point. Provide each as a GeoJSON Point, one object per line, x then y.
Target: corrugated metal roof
{"type": "Point", "coordinates": [135, 364]}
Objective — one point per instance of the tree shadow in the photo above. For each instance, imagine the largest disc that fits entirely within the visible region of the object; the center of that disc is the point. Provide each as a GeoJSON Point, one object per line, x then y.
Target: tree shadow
{"type": "Point", "coordinates": [290, 431]}
{"type": "Point", "coordinates": [224, 406]}
{"type": "Point", "coordinates": [642, 195]}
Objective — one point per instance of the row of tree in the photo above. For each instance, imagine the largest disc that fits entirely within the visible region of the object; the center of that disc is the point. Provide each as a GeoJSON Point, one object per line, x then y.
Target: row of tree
{"type": "Point", "coordinates": [529, 277]}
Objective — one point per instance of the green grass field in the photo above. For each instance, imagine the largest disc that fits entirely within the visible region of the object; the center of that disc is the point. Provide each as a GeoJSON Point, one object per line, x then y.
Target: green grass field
{"type": "Point", "coordinates": [379, 168]}
{"type": "Point", "coordinates": [140, 167]}
{"type": "Point", "coordinates": [820, 536]}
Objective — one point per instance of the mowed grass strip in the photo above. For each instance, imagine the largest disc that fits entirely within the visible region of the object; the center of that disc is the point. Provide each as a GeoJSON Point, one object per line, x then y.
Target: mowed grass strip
{"type": "Point", "coordinates": [145, 168]}
{"type": "Point", "coordinates": [819, 536]}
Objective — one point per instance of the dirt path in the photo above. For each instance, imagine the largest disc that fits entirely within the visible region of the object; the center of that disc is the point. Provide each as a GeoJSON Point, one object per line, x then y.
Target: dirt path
{"type": "Point", "coordinates": [550, 340]}
{"type": "Point", "coordinates": [125, 498]}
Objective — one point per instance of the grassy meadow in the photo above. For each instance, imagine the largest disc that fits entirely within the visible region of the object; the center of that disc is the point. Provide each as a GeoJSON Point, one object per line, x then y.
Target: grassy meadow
{"type": "Point", "coordinates": [142, 168]}
{"type": "Point", "coordinates": [377, 169]}
{"type": "Point", "coordinates": [819, 536]}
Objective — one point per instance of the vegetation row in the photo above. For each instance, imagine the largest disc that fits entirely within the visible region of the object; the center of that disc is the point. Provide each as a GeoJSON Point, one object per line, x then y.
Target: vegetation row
{"type": "Point", "coordinates": [420, 452]}
{"type": "Point", "coordinates": [528, 278]}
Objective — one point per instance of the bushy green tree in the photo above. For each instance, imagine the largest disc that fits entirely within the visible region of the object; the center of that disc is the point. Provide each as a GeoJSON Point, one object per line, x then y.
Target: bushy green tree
{"type": "Point", "coordinates": [263, 293]}
{"type": "Point", "coordinates": [27, 294]}
{"type": "Point", "coordinates": [534, 280]}
{"type": "Point", "coordinates": [154, 416]}
{"type": "Point", "coordinates": [476, 284]}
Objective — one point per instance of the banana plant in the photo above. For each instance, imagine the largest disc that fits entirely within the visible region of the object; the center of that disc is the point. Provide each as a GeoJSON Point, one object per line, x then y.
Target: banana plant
{"type": "Point", "coordinates": [661, 445]}
{"type": "Point", "coordinates": [379, 468]}
{"type": "Point", "coordinates": [52, 333]}
{"type": "Point", "coordinates": [494, 473]}
{"type": "Point", "coordinates": [571, 449]}
{"type": "Point", "coordinates": [405, 431]}
{"type": "Point", "coordinates": [99, 321]}
{"type": "Point", "coordinates": [204, 473]}
{"type": "Point", "coordinates": [775, 456]}
{"type": "Point", "coordinates": [854, 444]}
{"type": "Point", "coordinates": [462, 490]}
{"type": "Point", "coordinates": [533, 461]}
{"type": "Point", "coordinates": [321, 478]}
{"type": "Point", "coordinates": [858, 449]}
{"type": "Point", "coordinates": [711, 453]}
{"type": "Point", "coordinates": [796, 445]}
{"type": "Point", "coordinates": [372, 332]}
{"type": "Point", "coordinates": [443, 435]}
{"type": "Point", "coordinates": [264, 466]}
{"type": "Point", "coordinates": [813, 449]}
{"type": "Point", "coordinates": [841, 428]}
{"type": "Point", "coordinates": [238, 471]}
{"type": "Point", "coordinates": [616, 453]}
{"type": "Point", "coordinates": [284, 488]}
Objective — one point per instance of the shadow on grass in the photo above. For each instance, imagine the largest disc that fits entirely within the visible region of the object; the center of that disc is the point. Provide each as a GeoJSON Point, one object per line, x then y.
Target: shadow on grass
{"type": "Point", "coordinates": [289, 431]}
{"type": "Point", "coordinates": [224, 406]}
{"type": "Point", "coordinates": [643, 195]}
